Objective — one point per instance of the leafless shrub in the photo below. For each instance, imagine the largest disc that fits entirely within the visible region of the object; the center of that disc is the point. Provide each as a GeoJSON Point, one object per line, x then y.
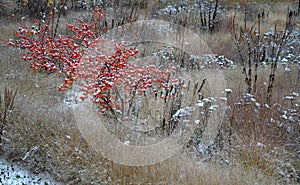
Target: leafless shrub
{"type": "Point", "coordinates": [256, 48]}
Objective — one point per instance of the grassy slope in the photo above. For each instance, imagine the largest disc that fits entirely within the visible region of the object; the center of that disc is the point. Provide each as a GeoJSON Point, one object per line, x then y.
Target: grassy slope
{"type": "Point", "coordinates": [42, 120]}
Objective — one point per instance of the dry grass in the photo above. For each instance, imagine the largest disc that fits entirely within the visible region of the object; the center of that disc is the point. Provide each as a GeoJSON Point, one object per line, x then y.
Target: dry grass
{"type": "Point", "coordinates": [185, 170]}
{"type": "Point", "coordinates": [258, 139]}
{"type": "Point", "coordinates": [275, 14]}
{"type": "Point", "coordinates": [285, 83]}
{"type": "Point", "coordinates": [41, 119]}
{"type": "Point", "coordinates": [10, 26]}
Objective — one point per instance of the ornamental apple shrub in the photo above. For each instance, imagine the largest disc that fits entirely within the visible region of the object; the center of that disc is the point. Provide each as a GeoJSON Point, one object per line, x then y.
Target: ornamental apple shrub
{"type": "Point", "coordinates": [108, 78]}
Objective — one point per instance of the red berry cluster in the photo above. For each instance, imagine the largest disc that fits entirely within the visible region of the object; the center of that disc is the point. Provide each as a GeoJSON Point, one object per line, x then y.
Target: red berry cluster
{"type": "Point", "coordinates": [106, 74]}
{"type": "Point", "coordinates": [60, 53]}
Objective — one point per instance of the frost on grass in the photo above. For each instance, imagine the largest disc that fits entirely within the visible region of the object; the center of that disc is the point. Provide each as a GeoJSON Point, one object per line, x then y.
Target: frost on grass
{"type": "Point", "coordinates": [13, 174]}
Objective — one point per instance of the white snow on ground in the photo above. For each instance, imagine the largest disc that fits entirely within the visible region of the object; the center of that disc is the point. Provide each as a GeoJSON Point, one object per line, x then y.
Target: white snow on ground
{"type": "Point", "coordinates": [13, 174]}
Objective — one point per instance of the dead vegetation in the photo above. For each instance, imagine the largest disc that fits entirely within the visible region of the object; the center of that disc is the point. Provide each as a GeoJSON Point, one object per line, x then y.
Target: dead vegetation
{"type": "Point", "coordinates": [257, 141]}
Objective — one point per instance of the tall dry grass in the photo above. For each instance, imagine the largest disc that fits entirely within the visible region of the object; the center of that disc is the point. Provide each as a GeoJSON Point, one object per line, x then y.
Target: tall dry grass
{"type": "Point", "coordinates": [44, 137]}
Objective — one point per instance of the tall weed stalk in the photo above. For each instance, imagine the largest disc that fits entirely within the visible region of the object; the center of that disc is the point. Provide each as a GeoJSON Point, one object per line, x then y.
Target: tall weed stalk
{"type": "Point", "coordinates": [257, 48]}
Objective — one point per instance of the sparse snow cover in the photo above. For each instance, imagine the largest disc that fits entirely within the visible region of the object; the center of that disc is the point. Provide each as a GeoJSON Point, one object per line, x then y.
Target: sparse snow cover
{"type": "Point", "coordinates": [182, 113]}
{"type": "Point", "coordinates": [223, 98]}
{"type": "Point", "coordinates": [238, 103]}
{"type": "Point", "coordinates": [200, 103]}
{"type": "Point", "coordinates": [257, 104]}
{"type": "Point", "coordinates": [289, 97]}
{"type": "Point", "coordinates": [290, 56]}
{"type": "Point", "coordinates": [211, 61]}
{"type": "Point", "coordinates": [73, 96]}
{"type": "Point", "coordinates": [249, 96]}
{"type": "Point", "coordinates": [12, 174]}
{"type": "Point", "coordinates": [213, 108]}
{"type": "Point", "coordinates": [291, 118]}
{"type": "Point", "coordinates": [284, 60]}
{"type": "Point", "coordinates": [227, 108]}
{"type": "Point", "coordinates": [287, 69]}
{"type": "Point", "coordinates": [258, 144]}
{"type": "Point", "coordinates": [209, 100]}
{"type": "Point", "coordinates": [228, 90]}
{"type": "Point", "coordinates": [197, 122]}
{"type": "Point", "coordinates": [284, 116]}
